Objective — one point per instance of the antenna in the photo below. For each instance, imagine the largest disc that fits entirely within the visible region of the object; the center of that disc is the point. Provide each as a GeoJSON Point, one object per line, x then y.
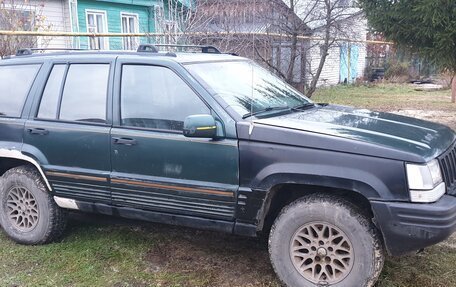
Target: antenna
{"type": "Point", "coordinates": [253, 59]}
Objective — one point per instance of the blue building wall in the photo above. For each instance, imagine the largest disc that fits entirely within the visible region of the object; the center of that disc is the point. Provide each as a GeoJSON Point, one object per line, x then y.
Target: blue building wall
{"type": "Point", "coordinates": [113, 9]}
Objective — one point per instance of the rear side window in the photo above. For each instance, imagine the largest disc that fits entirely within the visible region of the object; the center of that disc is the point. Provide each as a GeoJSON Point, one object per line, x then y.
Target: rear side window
{"type": "Point", "coordinates": [82, 97]}
{"type": "Point", "coordinates": [85, 94]}
{"type": "Point", "coordinates": [50, 99]}
{"type": "Point", "coordinates": [15, 83]}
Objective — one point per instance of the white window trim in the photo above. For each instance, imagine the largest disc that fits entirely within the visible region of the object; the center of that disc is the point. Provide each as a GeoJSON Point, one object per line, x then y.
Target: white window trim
{"type": "Point", "coordinates": [136, 16]}
{"type": "Point", "coordinates": [126, 14]}
{"type": "Point", "coordinates": [105, 25]}
{"type": "Point", "coordinates": [75, 19]}
{"type": "Point", "coordinates": [75, 42]}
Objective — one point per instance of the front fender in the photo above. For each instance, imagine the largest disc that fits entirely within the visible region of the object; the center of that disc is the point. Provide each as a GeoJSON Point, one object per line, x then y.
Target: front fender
{"type": "Point", "coordinates": [352, 179]}
{"type": "Point", "coordinates": [322, 180]}
{"type": "Point", "coordinates": [265, 165]}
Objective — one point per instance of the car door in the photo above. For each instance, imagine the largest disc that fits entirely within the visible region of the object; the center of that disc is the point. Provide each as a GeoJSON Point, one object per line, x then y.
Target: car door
{"type": "Point", "coordinates": [154, 166]}
{"type": "Point", "coordinates": [16, 83]}
{"type": "Point", "coordinates": [69, 128]}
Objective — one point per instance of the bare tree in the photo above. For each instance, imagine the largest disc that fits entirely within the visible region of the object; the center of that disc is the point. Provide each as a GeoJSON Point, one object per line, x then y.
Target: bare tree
{"type": "Point", "coordinates": [292, 38]}
{"type": "Point", "coordinates": [265, 30]}
{"type": "Point", "coordinates": [288, 51]}
{"type": "Point", "coordinates": [21, 16]}
{"type": "Point", "coordinates": [333, 22]}
{"type": "Point", "coordinates": [176, 20]}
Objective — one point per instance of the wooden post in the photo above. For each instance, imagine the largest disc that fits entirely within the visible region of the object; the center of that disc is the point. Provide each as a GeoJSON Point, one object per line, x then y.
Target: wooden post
{"type": "Point", "coordinates": [348, 62]}
{"type": "Point", "coordinates": [453, 90]}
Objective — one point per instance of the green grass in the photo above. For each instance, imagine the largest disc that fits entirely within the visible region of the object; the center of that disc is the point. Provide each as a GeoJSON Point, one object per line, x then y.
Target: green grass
{"type": "Point", "coordinates": [386, 97]}
{"type": "Point", "coordinates": [434, 267]}
{"type": "Point", "coordinates": [103, 251]}
{"type": "Point", "coordinates": [88, 256]}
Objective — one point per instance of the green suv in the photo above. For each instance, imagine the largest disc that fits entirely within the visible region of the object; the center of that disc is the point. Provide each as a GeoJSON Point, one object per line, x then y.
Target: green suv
{"type": "Point", "coordinates": [213, 141]}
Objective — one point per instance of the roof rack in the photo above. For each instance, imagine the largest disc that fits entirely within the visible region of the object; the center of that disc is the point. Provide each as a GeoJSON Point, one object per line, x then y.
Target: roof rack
{"type": "Point", "coordinates": [30, 51]}
{"type": "Point", "coordinates": [147, 48]}
{"type": "Point", "coordinates": [152, 48]}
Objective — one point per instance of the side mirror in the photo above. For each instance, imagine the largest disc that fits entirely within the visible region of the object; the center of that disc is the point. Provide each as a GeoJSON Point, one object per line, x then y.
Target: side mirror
{"type": "Point", "coordinates": [200, 126]}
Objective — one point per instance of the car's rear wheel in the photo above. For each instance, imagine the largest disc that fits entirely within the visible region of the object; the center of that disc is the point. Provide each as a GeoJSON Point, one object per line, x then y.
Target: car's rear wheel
{"type": "Point", "coordinates": [325, 241]}
{"type": "Point", "coordinates": [28, 213]}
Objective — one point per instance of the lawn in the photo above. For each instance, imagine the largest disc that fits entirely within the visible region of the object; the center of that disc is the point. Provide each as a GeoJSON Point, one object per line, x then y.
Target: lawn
{"type": "Point", "coordinates": [103, 251]}
{"type": "Point", "coordinates": [387, 97]}
{"type": "Point", "coordinates": [402, 99]}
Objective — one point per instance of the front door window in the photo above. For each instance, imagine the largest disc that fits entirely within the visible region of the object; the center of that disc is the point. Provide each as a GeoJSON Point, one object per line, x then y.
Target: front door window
{"type": "Point", "coordinates": [156, 98]}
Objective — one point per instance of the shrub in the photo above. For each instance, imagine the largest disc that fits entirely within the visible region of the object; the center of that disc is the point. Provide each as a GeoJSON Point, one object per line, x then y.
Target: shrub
{"type": "Point", "coordinates": [397, 72]}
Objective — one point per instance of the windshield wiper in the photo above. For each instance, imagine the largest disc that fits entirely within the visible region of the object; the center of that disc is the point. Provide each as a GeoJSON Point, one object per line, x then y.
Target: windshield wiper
{"type": "Point", "coordinates": [279, 108]}
{"type": "Point", "coordinates": [268, 109]}
{"type": "Point", "coordinates": [303, 107]}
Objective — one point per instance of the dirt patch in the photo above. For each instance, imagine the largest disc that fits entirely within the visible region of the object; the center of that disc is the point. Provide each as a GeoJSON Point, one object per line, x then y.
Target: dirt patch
{"type": "Point", "coordinates": [221, 259]}
{"type": "Point", "coordinates": [444, 117]}
{"type": "Point", "coordinates": [450, 242]}
{"type": "Point", "coordinates": [427, 87]}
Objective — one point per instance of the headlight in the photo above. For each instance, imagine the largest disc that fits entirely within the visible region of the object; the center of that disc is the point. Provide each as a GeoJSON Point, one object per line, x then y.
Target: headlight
{"type": "Point", "coordinates": [424, 176]}
{"type": "Point", "coordinates": [425, 182]}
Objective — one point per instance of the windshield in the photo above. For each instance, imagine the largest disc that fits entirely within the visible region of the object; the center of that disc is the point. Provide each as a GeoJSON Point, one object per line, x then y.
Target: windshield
{"type": "Point", "coordinates": [246, 87]}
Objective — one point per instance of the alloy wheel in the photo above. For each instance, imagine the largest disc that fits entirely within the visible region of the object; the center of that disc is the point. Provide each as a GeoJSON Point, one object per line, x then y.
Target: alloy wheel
{"type": "Point", "coordinates": [322, 253]}
{"type": "Point", "coordinates": [22, 209]}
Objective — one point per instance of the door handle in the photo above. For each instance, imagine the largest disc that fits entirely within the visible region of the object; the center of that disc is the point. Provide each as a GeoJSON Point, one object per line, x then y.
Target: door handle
{"type": "Point", "coordinates": [124, 141]}
{"type": "Point", "coordinates": [38, 131]}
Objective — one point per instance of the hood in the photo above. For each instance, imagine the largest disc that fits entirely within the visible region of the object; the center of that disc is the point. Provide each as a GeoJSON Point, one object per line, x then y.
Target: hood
{"type": "Point", "coordinates": [410, 135]}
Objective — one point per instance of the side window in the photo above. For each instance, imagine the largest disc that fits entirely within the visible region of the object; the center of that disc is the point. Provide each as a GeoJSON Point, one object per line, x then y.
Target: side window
{"type": "Point", "coordinates": [15, 83]}
{"type": "Point", "coordinates": [85, 94]}
{"type": "Point", "coordinates": [50, 99]}
{"type": "Point", "coordinates": [155, 97]}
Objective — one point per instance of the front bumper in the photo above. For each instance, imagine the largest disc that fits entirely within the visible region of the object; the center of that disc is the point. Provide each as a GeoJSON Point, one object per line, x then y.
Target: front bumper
{"type": "Point", "coordinates": [409, 227]}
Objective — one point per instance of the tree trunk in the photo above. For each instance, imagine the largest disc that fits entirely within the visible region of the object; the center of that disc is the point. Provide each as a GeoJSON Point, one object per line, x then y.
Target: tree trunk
{"type": "Point", "coordinates": [294, 43]}
{"type": "Point", "coordinates": [453, 90]}
{"type": "Point", "coordinates": [313, 84]}
{"type": "Point", "coordinates": [293, 56]}
{"type": "Point", "coordinates": [324, 51]}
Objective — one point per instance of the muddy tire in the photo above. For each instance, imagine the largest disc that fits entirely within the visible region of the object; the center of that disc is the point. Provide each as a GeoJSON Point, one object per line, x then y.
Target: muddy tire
{"type": "Point", "coordinates": [325, 241]}
{"type": "Point", "coordinates": [28, 213]}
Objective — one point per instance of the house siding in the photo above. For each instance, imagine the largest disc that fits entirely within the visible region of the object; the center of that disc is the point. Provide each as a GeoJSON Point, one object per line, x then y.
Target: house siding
{"type": "Point", "coordinates": [113, 10]}
{"type": "Point", "coordinates": [55, 15]}
{"type": "Point", "coordinates": [330, 74]}
{"type": "Point", "coordinates": [362, 35]}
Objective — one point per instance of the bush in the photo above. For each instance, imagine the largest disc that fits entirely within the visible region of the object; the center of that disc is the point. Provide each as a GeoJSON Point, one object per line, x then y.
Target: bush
{"type": "Point", "coordinates": [445, 79]}
{"type": "Point", "coordinates": [397, 72]}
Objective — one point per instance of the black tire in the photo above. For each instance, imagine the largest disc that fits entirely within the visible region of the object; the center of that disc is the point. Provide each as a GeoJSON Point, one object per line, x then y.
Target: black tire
{"type": "Point", "coordinates": [28, 213]}
{"type": "Point", "coordinates": [343, 224]}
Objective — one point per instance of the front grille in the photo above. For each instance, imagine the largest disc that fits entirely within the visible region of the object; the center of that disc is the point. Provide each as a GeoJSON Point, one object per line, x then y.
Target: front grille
{"type": "Point", "coordinates": [448, 166]}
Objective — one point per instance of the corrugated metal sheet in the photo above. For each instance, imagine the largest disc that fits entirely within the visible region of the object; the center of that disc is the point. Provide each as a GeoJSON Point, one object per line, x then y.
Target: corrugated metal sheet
{"type": "Point", "coordinates": [240, 28]}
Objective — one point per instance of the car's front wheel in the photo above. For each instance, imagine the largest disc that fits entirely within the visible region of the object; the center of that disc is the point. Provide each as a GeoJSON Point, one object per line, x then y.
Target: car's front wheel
{"type": "Point", "coordinates": [28, 213]}
{"type": "Point", "coordinates": [325, 241]}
